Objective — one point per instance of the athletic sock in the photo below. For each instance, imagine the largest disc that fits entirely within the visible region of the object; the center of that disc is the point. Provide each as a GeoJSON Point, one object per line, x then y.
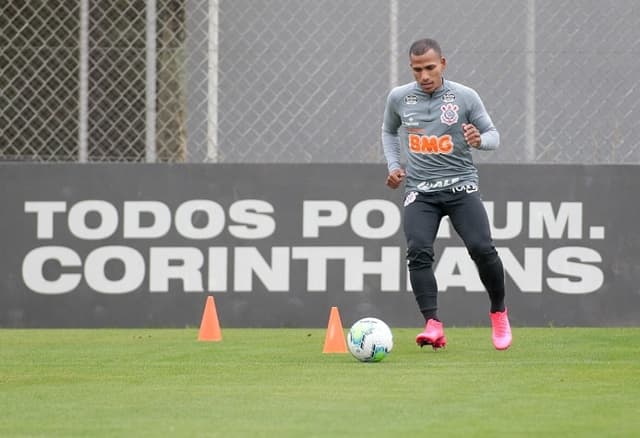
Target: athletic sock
{"type": "Point", "coordinates": [425, 289]}
{"type": "Point", "coordinates": [492, 276]}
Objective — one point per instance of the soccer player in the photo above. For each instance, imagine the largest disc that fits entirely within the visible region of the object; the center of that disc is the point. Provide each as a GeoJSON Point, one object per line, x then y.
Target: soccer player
{"type": "Point", "coordinates": [438, 123]}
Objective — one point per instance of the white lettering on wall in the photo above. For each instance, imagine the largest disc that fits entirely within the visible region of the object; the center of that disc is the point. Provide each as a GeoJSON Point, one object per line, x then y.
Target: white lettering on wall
{"type": "Point", "coordinates": [355, 268]}
{"type": "Point", "coordinates": [254, 219]}
{"type": "Point", "coordinates": [317, 214]}
{"type": "Point", "coordinates": [95, 269]}
{"type": "Point", "coordinates": [513, 227]}
{"type": "Point", "coordinates": [33, 270]}
{"type": "Point", "coordinates": [542, 218]}
{"type": "Point", "coordinates": [391, 219]}
{"type": "Point", "coordinates": [456, 269]}
{"type": "Point", "coordinates": [58, 269]}
{"type": "Point", "coordinates": [526, 275]}
{"type": "Point", "coordinates": [200, 210]}
{"type": "Point", "coordinates": [217, 269]}
{"type": "Point", "coordinates": [580, 276]}
{"type": "Point", "coordinates": [274, 276]}
{"type": "Point", "coordinates": [44, 216]}
{"type": "Point", "coordinates": [107, 213]}
{"type": "Point", "coordinates": [175, 263]}
{"type": "Point", "coordinates": [133, 214]}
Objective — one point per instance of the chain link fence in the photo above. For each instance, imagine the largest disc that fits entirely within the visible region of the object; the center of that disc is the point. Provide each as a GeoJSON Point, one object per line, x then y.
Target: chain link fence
{"type": "Point", "coordinates": [301, 81]}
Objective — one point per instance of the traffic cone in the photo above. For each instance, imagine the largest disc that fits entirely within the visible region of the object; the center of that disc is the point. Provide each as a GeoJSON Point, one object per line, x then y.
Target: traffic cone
{"type": "Point", "coordinates": [209, 326]}
{"type": "Point", "coordinates": [334, 341]}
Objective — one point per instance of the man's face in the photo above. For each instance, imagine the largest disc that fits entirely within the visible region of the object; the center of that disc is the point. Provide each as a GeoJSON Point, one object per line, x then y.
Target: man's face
{"type": "Point", "coordinates": [427, 70]}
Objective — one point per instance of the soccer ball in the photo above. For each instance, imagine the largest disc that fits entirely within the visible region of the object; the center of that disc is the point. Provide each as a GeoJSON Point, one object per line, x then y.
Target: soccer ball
{"type": "Point", "coordinates": [370, 340]}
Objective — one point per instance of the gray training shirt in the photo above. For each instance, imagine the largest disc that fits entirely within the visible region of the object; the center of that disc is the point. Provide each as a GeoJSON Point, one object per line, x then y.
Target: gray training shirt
{"type": "Point", "coordinates": [429, 128]}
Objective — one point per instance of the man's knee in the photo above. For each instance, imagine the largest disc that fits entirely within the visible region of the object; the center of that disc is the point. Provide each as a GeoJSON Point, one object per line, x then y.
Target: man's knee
{"type": "Point", "coordinates": [483, 253]}
{"type": "Point", "coordinates": [419, 258]}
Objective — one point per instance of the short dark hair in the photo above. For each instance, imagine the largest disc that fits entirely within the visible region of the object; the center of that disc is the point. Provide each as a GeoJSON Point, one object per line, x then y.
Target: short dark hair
{"type": "Point", "coordinates": [422, 46]}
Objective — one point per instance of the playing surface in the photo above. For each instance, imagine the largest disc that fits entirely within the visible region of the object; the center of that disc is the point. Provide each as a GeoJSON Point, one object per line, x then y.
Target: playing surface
{"type": "Point", "coordinates": [277, 382]}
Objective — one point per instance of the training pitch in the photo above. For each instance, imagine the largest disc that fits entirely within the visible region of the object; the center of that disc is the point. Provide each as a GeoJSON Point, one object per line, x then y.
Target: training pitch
{"type": "Point", "coordinates": [277, 383]}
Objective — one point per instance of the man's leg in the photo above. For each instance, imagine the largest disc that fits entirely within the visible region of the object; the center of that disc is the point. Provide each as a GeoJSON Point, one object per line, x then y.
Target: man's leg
{"type": "Point", "coordinates": [421, 220]}
{"type": "Point", "coordinates": [470, 220]}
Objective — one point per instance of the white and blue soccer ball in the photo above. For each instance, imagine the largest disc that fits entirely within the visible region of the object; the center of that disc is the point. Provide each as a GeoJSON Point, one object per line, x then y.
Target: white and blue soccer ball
{"type": "Point", "coordinates": [370, 340]}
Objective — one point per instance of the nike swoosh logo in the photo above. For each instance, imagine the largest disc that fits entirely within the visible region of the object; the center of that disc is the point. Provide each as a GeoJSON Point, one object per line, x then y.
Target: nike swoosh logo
{"type": "Point", "coordinates": [409, 114]}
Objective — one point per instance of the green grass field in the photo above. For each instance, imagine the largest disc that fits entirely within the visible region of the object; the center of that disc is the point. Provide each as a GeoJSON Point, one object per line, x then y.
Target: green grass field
{"type": "Point", "coordinates": [277, 382]}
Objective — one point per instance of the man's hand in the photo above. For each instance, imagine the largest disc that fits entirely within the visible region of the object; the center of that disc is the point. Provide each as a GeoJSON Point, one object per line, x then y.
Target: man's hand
{"type": "Point", "coordinates": [395, 178]}
{"type": "Point", "coordinates": [471, 135]}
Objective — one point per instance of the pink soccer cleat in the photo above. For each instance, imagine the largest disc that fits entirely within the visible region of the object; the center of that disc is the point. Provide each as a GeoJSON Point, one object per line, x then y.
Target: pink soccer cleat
{"type": "Point", "coordinates": [433, 335]}
{"type": "Point", "coordinates": [501, 330]}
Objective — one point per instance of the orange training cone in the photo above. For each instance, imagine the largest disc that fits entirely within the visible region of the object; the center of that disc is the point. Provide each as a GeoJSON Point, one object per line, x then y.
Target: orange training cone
{"type": "Point", "coordinates": [209, 326]}
{"type": "Point", "coordinates": [334, 341]}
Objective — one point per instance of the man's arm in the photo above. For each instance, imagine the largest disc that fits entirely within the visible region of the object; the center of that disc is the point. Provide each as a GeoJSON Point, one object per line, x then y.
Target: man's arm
{"type": "Point", "coordinates": [478, 117]}
{"type": "Point", "coordinates": [390, 140]}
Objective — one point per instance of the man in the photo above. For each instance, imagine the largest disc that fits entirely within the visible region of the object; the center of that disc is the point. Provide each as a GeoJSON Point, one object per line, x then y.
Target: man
{"type": "Point", "coordinates": [438, 123]}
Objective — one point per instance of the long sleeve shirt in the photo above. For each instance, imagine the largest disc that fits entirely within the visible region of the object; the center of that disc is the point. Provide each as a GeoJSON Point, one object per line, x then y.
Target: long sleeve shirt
{"type": "Point", "coordinates": [428, 128]}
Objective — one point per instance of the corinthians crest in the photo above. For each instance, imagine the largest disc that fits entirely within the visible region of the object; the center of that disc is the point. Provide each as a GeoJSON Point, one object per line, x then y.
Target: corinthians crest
{"type": "Point", "coordinates": [449, 114]}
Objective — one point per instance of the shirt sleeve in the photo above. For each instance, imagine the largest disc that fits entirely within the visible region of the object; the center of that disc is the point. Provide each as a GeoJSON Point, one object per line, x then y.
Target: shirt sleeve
{"type": "Point", "coordinates": [489, 135]}
{"type": "Point", "coordinates": [390, 140]}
